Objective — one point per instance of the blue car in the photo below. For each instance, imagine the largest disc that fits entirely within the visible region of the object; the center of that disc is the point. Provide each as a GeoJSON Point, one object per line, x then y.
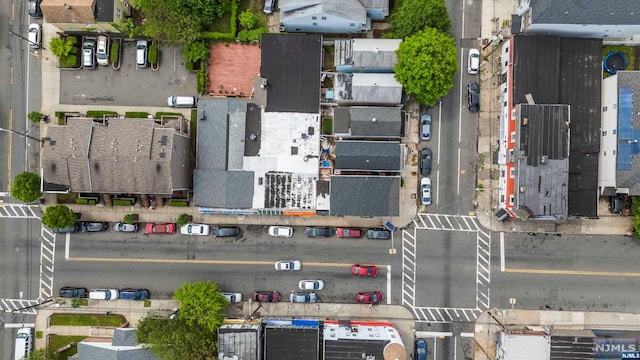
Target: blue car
{"type": "Point", "coordinates": [421, 350]}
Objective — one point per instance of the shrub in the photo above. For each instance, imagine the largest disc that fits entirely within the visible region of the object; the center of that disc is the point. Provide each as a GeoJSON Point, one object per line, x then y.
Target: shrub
{"type": "Point", "coordinates": [183, 219]}
{"type": "Point", "coordinates": [153, 54]}
{"type": "Point", "coordinates": [68, 61]}
{"type": "Point", "coordinates": [136, 114]}
{"type": "Point", "coordinates": [251, 35]}
{"type": "Point", "coordinates": [188, 65]}
{"type": "Point", "coordinates": [85, 201]}
{"type": "Point", "coordinates": [179, 203]}
{"type": "Point", "coordinates": [35, 116]}
{"type": "Point", "coordinates": [115, 52]}
{"type": "Point", "coordinates": [201, 80]}
{"type": "Point", "coordinates": [128, 219]}
{"type": "Point", "coordinates": [122, 202]}
{"type": "Point", "coordinates": [100, 113]}
{"type": "Point", "coordinates": [248, 19]}
{"type": "Point", "coordinates": [195, 51]}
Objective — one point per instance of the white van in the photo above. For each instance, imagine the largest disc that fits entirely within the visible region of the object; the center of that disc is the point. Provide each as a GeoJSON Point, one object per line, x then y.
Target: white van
{"type": "Point", "coordinates": [103, 294]}
{"type": "Point", "coordinates": [142, 46]}
{"type": "Point", "coordinates": [473, 63]}
{"type": "Point", "coordinates": [181, 101]}
{"type": "Point", "coordinates": [24, 343]}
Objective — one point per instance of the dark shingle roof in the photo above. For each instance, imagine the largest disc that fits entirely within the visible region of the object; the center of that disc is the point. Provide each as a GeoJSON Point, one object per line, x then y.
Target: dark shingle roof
{"type": "Point", "coordinates": [599, 12]}
{"type": "Point", "coordinates": [223, 189]}
{"type": "Point", "coordinates": [368, 156]}
{"type": "Point", "coordinates": [288, 343]}
{"type": "Point", "coordinates": [124, 337]}
{"type": "Point", "coordinates": [365, 195]}
{"type": "Point", "coordinates": [291, 64]}
{"type": "Point", "coordinates": [122, 347]}
{"type": "Point", "coordinates": [376, 121]}
{"type": "Point", "coordinates": [573, 76]}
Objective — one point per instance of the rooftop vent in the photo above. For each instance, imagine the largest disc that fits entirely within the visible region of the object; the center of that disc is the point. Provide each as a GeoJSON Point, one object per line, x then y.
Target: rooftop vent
{"type": "Point", "coordinates": [544, 159]}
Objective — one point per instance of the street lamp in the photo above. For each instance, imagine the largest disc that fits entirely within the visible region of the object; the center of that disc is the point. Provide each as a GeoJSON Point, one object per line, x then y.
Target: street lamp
{"type": "Point", "coordinates": [21, 134]}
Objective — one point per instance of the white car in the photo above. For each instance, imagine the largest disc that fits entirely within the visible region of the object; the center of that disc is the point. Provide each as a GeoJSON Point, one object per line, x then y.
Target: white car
{"type": "Point", "coordinates": [473, 62]}
{"type": "Point", "coordinates": [425, 186]}
{"type": "Point", "coordinates": [195, 229]}
{"type": "Point", "coordinates": [232, 297]}
{"type": "Point", "coordinates": [34, 36]}
{"type": "Point", "coordinates": [288, 265]}
{"type": "Point", "coordinates": [104, 294]}
{"type": "Point", "coordinates": [303, 297]}
{"type": "Point", "coordinates": [311, 285]}
{"type": "Point", "coordinates": [280, 231]}
{"type": "Point", "coordinates": [102, 51]}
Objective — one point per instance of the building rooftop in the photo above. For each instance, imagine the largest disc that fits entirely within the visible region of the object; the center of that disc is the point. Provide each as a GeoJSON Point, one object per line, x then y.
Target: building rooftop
{"type": "Point", "coordinates": [365, 195]}
{"type": "Point", "coordinates": [284, 340]}
{"type": "Point", "coordinates": [232, 69]}
{"type": "Point", "coordinates": [371, 121]}
{"type": "Point", "coordinates": [598, 12]}
{"type": "Point", "coordinates": [542, 160]}
{"type": "Point", "coordinates": [349, 9]}
{"type": "Point", "coordinates": [364, 88]}
{"type": "Point", "coordinates": [628, 153]}
{"type": "Point", "coordinates": [123, 346]}
{"type": "Point", "coordinates": [518, 347]}
{"type": "Point", "coordinates": [239, 341]}
{"type": "Point", "coordinates": [291, 65]}
{"type": "Point", "coordinates": [75, 11]}
{"type": "Point", "coordinates": [363, 54]}
{"type": "Point", "coordinates": [375, 156]}
{"type": "Point", "coordinates": [355, 340]}
{"type": "Point", "coordinates": [573, 69]}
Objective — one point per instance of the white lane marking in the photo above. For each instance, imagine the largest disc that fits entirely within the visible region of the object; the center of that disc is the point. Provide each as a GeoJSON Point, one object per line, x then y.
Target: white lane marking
{"type": "Point", "coordinates": [502, 264]}
{"type": "Point", "coordinates": [20, 325]}
{"type": "Point", "coordinates": [460, 99]}
{"type": "Point", "coordinates": [455, 348]}
{"type": "Point", "coordinates": [437, 186]}
{"type": "Point", "coordinates": [389, 284]}
{"type": "Point", "coordinates": [432, 334]}
{"type": "Point", "coordinates": [439, 128]}
{"type": "Point", "coordinates": [458, 192]}
{"type": "Point", "coordinates": [67, 246]}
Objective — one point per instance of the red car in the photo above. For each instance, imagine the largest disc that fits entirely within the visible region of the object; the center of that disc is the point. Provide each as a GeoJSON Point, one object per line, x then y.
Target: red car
{"type": "Point", "coordinates": [373, 297]}
{"type": "Point", "coordinates": [348, 233]}
{"type": "Point", "coordinates": [151, 228]}
{"type": "Point", "coordinates": [364, 270]}
{"type": "Point", "coordinates": [266, 296]}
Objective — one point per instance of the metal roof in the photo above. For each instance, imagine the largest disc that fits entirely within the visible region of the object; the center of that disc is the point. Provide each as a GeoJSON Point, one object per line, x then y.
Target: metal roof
{"type": "Point", "coordinates": [365, 195]}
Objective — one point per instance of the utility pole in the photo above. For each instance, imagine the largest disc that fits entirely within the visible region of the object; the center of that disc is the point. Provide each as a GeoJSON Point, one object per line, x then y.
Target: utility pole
{"type": "Point", "coordinates": [21, 134]}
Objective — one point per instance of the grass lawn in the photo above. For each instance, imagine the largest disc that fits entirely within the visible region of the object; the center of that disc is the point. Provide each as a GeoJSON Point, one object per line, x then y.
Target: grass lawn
{"type": "Point", "coordinates": [628, 52]}
{"type": "Point", "coordinates": [327, 125]}
{"type": "Point", "coordinates": [86, 320]}
{"type": "Point", "coordinates": [56, 342]}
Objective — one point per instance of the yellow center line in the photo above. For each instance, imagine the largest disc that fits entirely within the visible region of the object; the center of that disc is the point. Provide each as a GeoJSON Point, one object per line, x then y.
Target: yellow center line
{"type": "Point", "coordinates": [573, 272]}
{"type": "Point", "coordinates": [187, 261]}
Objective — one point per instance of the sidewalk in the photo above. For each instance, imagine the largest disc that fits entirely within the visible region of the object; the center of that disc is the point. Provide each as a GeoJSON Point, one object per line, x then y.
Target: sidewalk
{"type": "Point", "coordinates": [495, 15]}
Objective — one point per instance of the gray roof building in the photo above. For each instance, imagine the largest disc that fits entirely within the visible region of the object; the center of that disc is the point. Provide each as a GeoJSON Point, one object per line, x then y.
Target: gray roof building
{"type": "Point", "coordinates": [130, 156]}
{"type": "Point", "coordinates": [366, 55]}
{"type": "Point", "coordinates": [365, 89]}
{"type": "Point", "coordinates": [122, 347]}
{"type": "Point", "coordinates": [542, 161]}
{"type": "Point", "coordinates": [618, 19]}
{"type": "Point", "coordinates": [365, 195]}
{"type": "Point", "coordinates": [368, 122]}
{"type": "Point", "coordinates": [369, 156]}
{"type": "Point", "coordinates": [239, 341]}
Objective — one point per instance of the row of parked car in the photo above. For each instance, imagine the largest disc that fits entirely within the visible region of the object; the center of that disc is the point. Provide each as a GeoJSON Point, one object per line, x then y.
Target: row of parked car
{"type": "Point", "coordinates": [151, 228]}
{"type": "Point", "coordinates": [70, 292]}
{"type": "Point", "coordinates": [320, 231]}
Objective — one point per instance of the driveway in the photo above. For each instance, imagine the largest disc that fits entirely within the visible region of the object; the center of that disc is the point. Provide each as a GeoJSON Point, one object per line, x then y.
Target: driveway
{"type": "Point", "coordinates": [129, 86]}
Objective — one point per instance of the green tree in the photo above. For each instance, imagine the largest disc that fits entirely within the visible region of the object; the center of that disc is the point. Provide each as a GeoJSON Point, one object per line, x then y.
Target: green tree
{"type": "Point", "coordinates": [129, 28]}
{"type": "Point", "coordinates": [415, 15]}
{"type": "Point", "coordinates": [183, 219]}
{"type": "Point", "coordinates": [195, 51]}
{"type": "Point", "coordinates": [201, 304]}
{"type": "Point", "coordinates": [58, 216]}
{"type": "Point", "coordinates": [60, 47]}
{"type": "Point", "coordinates": [41, 354]}
{"type": "Point", "coordinates": [26, 187]}
{"type": "Point", "coordinates": [427, 63]}
{"type": "Point", "coordinates": [248, 19]}
{"type": "Point", "coordinates": [175, 339]}
{"type": "Point", "coordinates": [35, 116]}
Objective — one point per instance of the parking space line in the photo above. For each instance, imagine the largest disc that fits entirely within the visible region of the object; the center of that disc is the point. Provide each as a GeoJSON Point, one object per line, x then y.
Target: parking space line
{"type": "Point", "coordinates": [573, 272]}
{"type": "Point", "coordinates": [388, 284]}
{"type": "Point", "coordinates": [502, 264]}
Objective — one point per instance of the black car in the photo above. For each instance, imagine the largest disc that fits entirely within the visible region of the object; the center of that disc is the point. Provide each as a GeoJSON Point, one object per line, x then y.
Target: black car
{"type": "Point", "coordinates": [34, 8]}
{"type": "Point", "coordinates": [378, 234]}
{"type": "Point", "coordinates": [68, 229]}
{"type": "Point", "coordinates": [134, 294]}
{"type": "Point", "coordinates": [86, 226]}
{"type": "Point", "coordinates": [73, 292]}
{"type": "Point", "coordinates": [425, 162]}
{"type": "Point", "coordinates": [318, 232]}
{"type": "Point", "coordinates": [225, 231]}
{"type": "Point", "coordinates": [473, 92]}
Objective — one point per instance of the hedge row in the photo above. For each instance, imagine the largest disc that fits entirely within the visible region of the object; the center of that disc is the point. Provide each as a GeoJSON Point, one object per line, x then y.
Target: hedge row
{"type": "Point", "coordinates": [85, 201]}
{"type": "Point", "coordinates": [100, 113]}
{"type": "Point", "coordinates": [233, 22]}
{"type": "Point", "coordinates": [136, 114]}
{"type": "Point", "coordinates": [179, 203]}
{"type": "Point", "coordinates": [121, 202]}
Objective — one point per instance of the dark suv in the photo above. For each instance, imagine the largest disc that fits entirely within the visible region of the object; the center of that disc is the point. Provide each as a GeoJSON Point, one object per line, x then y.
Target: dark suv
{"type": "Point", "coordinates": [34, 8]}
{"type": "Point", "coordinates": [225, 231]}
{"type": "Point", "coordinates": [86, 226]}
{"type": "Point", "coordinates": [473, 92]}
{"type": "Point", "coordinates": [318, 232]}
{"type": "Point", "coordinates": [133, 294]}
{"type": "Point", "coordinates": [73, 292]}
{"type": "Point", "coordinates": [378, 234]}
{"type": "Point", "coordinates": [425, 162]}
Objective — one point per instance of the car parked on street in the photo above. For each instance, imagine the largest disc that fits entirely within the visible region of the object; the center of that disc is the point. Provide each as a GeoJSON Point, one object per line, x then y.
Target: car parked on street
{"type": "Point", "coordinates": [89, 54]}
{"type": "Point", "coordinates": [195, 229]}
{"type": "Point", "coordinates": [473, 96]}
{"type": "Point", "coordinates": [34, 36]}
{"type": "Point", "coordinates": [218, 231]}
{"type": "Point", "coordinates": [425, 190]}
{"type": "Point", "coordinates": [288, 265]}
{"type": "Point", "coordinates": [372, 297]}
{"type": "Point", "coordinates": [152, 228]}
{"type": "Point", "coordinates": [232, 297]}
{"type": "Point", "coordinates": [425, 161]}
{"type": "Point", "coordinates": [425, 127]}
{"type": "Point", "coordinates": [378, 234]}
{"type": "Point", "coordinates": [421, 350]}
{"type": "Point", "coordinates": [70, 292]}
{"type": "Point", "coordinates": [303, 297]}
{"type": "Point", "coordinates": [311, 285]}
{"type": "Point", "coordinates": [34, 8]}
{"type": "Point", "coordinates": [280, 231]}
{"type": "Point", "coordinates": [86, 226]}
{"type": "Point", "coordinates": [103, 294]}
{"type": "Point", "coordinates": [134, 294]}
{"type": "Point", "coordinates": [351, 233]}
{"type": "Point", "coordinates": [473, 62]}
{"type": "Point", "coordinates": [266, 296]}
{"type": "Point", "coordinates": [102, 51]}
{"type": "Point", "coordinates": [364, 270]}
{"type": "Point", "coordinates": [69, 229]}
{"type": "Point", "coordinates": [318, 232]}
{"type": "Point", "coordinates": [124, 227]}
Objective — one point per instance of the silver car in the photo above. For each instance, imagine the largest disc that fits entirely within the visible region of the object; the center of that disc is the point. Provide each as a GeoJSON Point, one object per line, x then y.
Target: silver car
{"type": "Point", "coordinates": [102, 51]}
{"type": "Point", "coordinates": [124, 227]}
{"type": "Point", "coordinates": [425, 127]}
{"type": "Point", "coordinates": [303, 297]}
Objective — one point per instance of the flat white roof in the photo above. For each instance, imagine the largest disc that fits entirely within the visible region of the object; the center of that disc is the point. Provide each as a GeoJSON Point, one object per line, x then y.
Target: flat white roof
{"type": "Point", "coordinates": [376, 44]}
{"type": "Point", "coordinates": [363, 79]}
{"type": "Point", "coordinates": [525, 347]}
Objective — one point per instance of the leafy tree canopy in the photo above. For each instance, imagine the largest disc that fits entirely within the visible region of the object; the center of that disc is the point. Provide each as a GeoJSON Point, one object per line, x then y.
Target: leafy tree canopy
{"type": "Point", "coordinates": [178, 21]}
{"type": "Point", "coordinates": [201, 304]}
{"type": "Point", "coordinates": [248, 19]}
{"type": "Point", "coordinates": [415, 15]}
{"type": "Point", "coordinates": [175, 339]}
{"type": "Point", "coordinates": [26, 187]}
{"type": "Point", "coordinates": [60, 47]}
{"type": "Point", "coordinates": [195, 51]}
{"type": "Point", "coordinates": [427, 63]}
{"type": "Point", "coordinates": [58, 216]}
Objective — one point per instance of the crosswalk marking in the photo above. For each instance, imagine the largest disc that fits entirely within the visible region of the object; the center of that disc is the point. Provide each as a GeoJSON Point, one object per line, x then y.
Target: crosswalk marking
{"type": "Point", "coordinates": [18, 306]}
{"type": "Point", "coordinates": [47, 261]}
{"type": "Point", "coordinates": [446, 222]}
{"type": "Point", "coordinates": [19, 211]}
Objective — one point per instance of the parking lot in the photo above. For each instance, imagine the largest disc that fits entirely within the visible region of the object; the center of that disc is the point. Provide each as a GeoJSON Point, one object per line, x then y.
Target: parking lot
{"type": "Point", "coordinates": [129, 86]}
